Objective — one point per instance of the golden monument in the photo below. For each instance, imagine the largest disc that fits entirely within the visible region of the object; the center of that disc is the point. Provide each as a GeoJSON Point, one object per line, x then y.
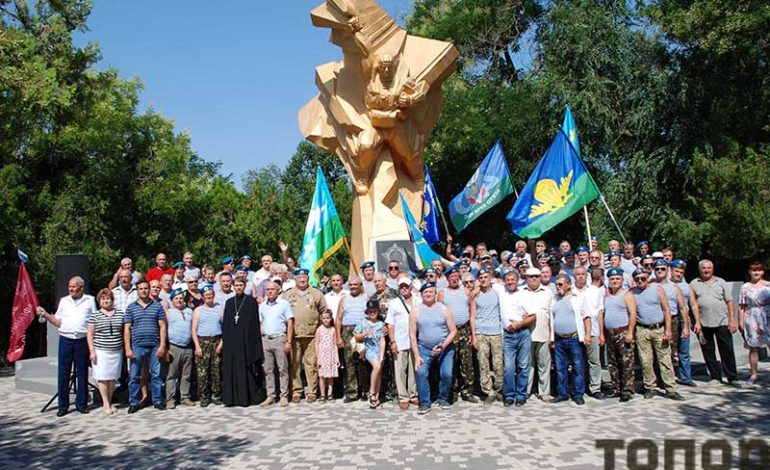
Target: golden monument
{"type": "Point", "coordinates": [375, 111]}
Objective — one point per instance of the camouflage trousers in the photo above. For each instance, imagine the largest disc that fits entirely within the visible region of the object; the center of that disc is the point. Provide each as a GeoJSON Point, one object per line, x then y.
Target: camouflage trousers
{"type": "Point", "coordinates": [463, 366]}
{"type": "Point", "coordinates": [653, 347]}
{"type": "Point", "coordinates": [491, 349]}
{"type": "Point", "coordinates": [621, 361]}
{"type": "Point", "coordinates": [207, 367]}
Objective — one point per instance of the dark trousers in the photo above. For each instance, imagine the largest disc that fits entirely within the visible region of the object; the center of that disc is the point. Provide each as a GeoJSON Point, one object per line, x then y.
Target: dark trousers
{"type": "Point", "coordinates": [569, 352]}
{"type": "Point", "coordinates": [73, 351]}
{"type": "Point", "coordinates": [724, 341]}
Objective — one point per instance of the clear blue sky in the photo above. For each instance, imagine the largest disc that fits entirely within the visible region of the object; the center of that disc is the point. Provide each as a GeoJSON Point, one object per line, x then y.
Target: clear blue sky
{"type": "Point", "coordinates": [232, 73]}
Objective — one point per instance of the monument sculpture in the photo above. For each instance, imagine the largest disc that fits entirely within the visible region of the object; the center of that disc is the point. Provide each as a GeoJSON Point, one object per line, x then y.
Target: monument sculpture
{"type": "Point", "coordinates": [375, 110]}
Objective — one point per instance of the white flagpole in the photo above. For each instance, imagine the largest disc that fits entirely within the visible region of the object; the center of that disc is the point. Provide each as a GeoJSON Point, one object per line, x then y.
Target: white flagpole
{"type": "Point", "coordinates": [609, 211]}
{"type": "Point", "coordinates": [588, 224]}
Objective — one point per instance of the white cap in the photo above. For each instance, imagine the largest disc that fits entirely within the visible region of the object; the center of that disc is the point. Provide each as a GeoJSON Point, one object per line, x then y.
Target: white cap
{"type": "Point", "coordinates": [405, 280]}
{"type": "Point", "coordinates": [657, 254]}
{"type": "Point", "coordinates": [532, 272]}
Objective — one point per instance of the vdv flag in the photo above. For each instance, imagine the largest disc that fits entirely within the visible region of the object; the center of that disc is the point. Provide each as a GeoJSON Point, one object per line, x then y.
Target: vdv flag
{"type": "Point", "coordinates": [324, 234]}
{"type": "Point", "coordinates": [424, 254]}
{"type": "Point", "coordinates": [489, 185]}
{"type": "Point", "coordinates": [559, 187]}
{"type": "Point", "coordinates": [570, 130]}
{"type": "Point", "coordinates": [25, 305]}
{"type": "Point", "coordinates": [429, 206]}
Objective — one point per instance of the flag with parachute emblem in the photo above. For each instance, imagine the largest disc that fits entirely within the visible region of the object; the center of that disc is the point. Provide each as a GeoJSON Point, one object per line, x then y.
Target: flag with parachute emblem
{"type": "Point", "coordinates": [559, 187]}
{"type": "Point", "coordinates": [430, 204]}
{"type": "Point", "coordinates": [324, 234]}
{"type": "Point", "coordinates": [489, 185]}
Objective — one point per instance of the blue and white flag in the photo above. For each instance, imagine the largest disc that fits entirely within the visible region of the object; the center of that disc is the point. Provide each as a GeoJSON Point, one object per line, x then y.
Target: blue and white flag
{"type": "Point", "coordinates": [429, 223]}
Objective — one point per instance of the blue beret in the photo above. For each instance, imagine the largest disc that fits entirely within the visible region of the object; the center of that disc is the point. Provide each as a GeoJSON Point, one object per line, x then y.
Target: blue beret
{"type": "Point", "coordinates": [450, 270]}
{"type": "Point", "coordinates": [178, 264]}
{"type": "Point", "coordinates": [615, 272]}
{"type": "Point", "coordinates": [244, 257]}
{"type": "Point", "coordinates": [367, 264]}
{"type": "Point", "coordinates": [241, 267]}
{"type": "Point", "coordinates": [372, 304]}
{"type": "Point", "coordinates": [427, 285]}
{"type": "Point", "coordinates": [175, 292]}
{"type": "Point", "coordinates": [569, 253]}
{"type": "Point", "coordinates": [581, 249]}
{"type": "Point", "coordinates": [679, 263]}
{"type": "Point", "coordinates": [542, 256]}
{"type": "Point", "coordinates": [642, 243]}
{"type": "Point", "coordinates": [522, 262]}
{"type": "Point", "coordinates": [301, 272]}
{"type": "Point", "coordinates": [639, 271]}
{"type": "Point", "coordinates": [206, 288]}
{"type": "Point", "coordinates": [661, 262]}
{"type": "Point", "coordinates": [484, 271]}
{"type": "Point", "coordinates": [509, 257]}
{"type": "Point", "coordinates": [430, 271]}
{"type": "Point", "coordinates": [613, 253]}
{"type": "Point", "coordinates": [594, 238]}
{"type": "Point", "coordinates": [227, 260]}
{"type": "Point", "coordinates": [644, 258]}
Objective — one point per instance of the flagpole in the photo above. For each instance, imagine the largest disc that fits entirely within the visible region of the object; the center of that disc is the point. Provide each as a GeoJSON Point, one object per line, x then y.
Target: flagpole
{"type": "Point", "coordinates": [588, 223]}
{"type": "Point", "coordinates": [350, 254]}
{"type": "Point", "coordinates": [612, 216]}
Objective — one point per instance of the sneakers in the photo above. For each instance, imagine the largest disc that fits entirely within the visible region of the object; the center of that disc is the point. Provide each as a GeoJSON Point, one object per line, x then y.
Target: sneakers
{"type": "Point", "coordinates": [268, 401]}
{"type": "Point", "coordinates": [674, 396]}
{"type": "Point", "coordinates": [423, 410]}
{"type": "Point", "coordinates": [170, 405]}
{"type": "Point", "coordinates": [445, 406]}
{"type": "Point", "coordinates": [650, 394]}
{"type": "Point", "coordinates": [283, 402]}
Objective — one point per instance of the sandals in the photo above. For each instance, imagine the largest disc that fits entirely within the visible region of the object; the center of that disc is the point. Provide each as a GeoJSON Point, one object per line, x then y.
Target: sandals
{"type": "Point", "coordinates": [374, 402]}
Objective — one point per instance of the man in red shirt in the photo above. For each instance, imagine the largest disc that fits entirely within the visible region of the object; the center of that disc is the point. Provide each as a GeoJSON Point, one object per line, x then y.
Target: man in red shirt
{"type": "Point", "coordinates": [160, 268]}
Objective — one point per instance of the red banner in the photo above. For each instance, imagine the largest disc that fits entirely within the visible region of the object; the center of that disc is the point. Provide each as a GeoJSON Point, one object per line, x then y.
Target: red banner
{"type": "Point", "coordinates": [24, 310]}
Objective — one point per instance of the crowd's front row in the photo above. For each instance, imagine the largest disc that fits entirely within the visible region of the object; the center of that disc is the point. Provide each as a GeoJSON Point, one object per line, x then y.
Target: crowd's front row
{"type": "Point", "coordinates": [238, 348]}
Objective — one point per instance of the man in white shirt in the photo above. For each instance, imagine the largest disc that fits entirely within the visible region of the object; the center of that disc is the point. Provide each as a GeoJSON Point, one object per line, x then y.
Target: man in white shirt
{"type": "Point", "coordinates": [536, 300]}
{"type": "Point", "coordinates": [334, 296]}
{"type": "Point", "coordinates": [71, 319]}
{"type": "Point", "coordinates": [517, 342]}
{"type": "Point", "coordinates": [593, 296]}
{"type": "Point", "coordinates": [263, 272]}
{"type": "Point", "coordinates": [397, 320]}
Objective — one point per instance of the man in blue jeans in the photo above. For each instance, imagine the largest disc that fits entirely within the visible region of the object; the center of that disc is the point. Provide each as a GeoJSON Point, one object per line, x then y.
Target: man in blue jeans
{"type": "Point", "coordinates": [144, 335]}
{"type": "Point", "coordinates": [571, 322]}
{"type": "Point", "coordinates": [433, 324]}
{"type": "Point", "coordinates": [517, 341]}
{"type": "Point", "coordinates": [684, 371]}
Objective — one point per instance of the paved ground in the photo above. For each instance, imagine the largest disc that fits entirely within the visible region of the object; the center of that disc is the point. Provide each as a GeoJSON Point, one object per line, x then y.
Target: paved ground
{"type": "Point", "coordinates": [352, 436]}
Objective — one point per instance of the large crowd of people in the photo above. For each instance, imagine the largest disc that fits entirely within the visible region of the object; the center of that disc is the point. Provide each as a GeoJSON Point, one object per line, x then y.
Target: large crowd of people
{"type": "Point", "coordinates": [476, 326]}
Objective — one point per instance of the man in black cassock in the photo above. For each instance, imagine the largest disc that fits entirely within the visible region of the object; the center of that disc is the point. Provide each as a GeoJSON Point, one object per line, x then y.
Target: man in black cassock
{"type": "Point", "coordinates": [242, 376]}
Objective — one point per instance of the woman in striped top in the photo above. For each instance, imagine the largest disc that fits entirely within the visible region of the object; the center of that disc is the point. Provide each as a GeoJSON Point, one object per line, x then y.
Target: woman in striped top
{"type": "Point", "coordinates": [105, 344]}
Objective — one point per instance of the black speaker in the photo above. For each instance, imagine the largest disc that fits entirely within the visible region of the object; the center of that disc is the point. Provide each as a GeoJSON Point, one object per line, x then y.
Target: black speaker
{"type": "Point", "coordinates": [67, 267]}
